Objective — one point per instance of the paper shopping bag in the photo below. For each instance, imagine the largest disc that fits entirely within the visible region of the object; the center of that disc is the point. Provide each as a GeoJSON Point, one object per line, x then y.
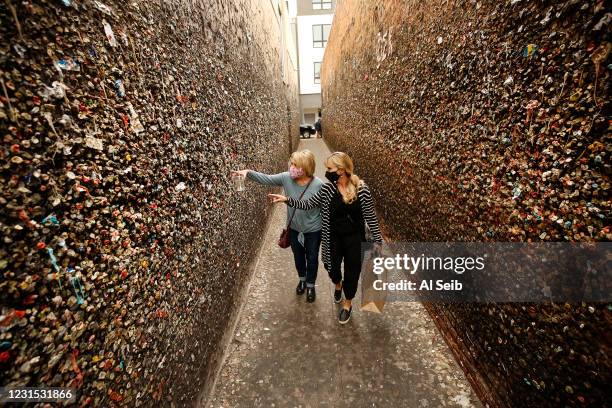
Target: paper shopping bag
{"type": "Point", "coordinates": [372, 300]}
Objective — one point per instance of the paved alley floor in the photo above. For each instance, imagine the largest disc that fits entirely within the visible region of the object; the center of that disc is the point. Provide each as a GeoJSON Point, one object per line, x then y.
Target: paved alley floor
{"type": "Point", "coordinates": [289, 353]}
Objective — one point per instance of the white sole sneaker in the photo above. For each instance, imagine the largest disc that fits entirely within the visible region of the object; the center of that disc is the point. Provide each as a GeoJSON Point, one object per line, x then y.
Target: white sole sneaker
{"type": "Point", "coordinates": [334, 297]}
{"type": "Point", "coordinates": [347, 320]}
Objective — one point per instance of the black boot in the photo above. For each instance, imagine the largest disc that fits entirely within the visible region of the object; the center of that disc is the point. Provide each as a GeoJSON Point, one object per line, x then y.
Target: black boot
{"type": "Point", "coordinates": [311, 295]}
{"type": "Point", "coordinates": [300, 287]}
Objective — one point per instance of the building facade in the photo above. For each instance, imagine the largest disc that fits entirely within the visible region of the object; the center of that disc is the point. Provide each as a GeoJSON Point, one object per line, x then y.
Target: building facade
{"type": "Point", "coordinates": [312, 20]}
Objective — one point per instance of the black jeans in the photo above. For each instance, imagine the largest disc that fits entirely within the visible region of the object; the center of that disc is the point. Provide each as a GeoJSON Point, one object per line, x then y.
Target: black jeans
{"type": "Point", "coordinates": [306, 256]}
{"type": "Point", "coordinates": [346, 247]}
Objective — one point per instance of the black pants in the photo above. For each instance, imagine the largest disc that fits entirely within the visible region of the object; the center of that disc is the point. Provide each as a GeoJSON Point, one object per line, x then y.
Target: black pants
{"type": "Point", "coordinates": [346, 247]}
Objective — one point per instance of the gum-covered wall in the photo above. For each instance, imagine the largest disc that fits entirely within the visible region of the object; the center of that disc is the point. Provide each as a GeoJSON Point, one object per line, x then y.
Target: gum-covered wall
{"type": "Point", "coordinates": [124, 243]}
{"type": "Point", "coordinates": [486, 121]}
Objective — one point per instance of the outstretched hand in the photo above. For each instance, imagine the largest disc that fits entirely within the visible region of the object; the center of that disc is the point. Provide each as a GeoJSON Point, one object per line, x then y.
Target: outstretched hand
{"type": "Point", "coordinates": [277, 198]}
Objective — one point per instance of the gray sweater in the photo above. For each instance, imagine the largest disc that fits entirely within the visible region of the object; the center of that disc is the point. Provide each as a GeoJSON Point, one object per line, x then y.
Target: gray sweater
{"type": "Point", "coordinates": [304, 220]}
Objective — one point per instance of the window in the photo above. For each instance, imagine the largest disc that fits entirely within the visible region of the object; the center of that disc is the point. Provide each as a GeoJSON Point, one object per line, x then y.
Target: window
{"type": "Point", "coordinates": [320, 34]}
{"type": "Point", "coordinates": [321, 4]}
{"type": "Point", "coordinates": [317, 72]}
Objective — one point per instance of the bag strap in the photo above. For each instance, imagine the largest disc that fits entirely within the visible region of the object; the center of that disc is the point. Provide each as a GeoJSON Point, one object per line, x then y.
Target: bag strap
{"type": "Point", "coordinates": [301, 195]}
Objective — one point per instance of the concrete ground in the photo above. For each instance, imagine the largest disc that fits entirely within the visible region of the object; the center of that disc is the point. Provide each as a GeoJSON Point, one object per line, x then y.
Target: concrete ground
{"type": "Point", "coordinates": [289, 353]}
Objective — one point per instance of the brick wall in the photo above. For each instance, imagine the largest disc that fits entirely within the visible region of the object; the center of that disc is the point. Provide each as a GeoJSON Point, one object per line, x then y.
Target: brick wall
{"type": "Point", "coordinates": [492, 117]}
{"type": "Point", "coordinates": [120, 264]}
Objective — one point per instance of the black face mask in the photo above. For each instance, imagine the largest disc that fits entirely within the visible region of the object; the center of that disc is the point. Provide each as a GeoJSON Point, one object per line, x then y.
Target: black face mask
{"type": "Point", "coordinates": [332, 176]}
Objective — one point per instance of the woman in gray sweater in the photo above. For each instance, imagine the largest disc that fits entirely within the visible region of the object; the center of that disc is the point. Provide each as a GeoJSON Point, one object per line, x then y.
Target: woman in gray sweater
{"type": "Point", "coordinates": [305, 228]}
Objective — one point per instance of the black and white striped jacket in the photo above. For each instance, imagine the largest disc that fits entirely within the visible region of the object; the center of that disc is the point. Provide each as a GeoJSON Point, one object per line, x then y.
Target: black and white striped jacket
{"type": "Point", "coordinates": [323, 200]}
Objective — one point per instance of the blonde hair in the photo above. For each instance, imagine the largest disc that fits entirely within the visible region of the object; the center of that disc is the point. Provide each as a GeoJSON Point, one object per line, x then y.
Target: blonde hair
{"type": "Point", "coordinates": [305, 160]}
{"type": "Point", "coordinates": [343, 161]}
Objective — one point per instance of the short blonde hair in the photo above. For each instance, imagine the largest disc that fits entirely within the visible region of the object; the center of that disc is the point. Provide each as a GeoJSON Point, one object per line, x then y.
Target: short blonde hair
{"type": "Point", "coordinates": [304, 159]}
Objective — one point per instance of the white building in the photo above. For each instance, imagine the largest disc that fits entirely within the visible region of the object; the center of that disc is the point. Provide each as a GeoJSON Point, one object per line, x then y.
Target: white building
{"type": "Point", "coordinates": [312, 23]}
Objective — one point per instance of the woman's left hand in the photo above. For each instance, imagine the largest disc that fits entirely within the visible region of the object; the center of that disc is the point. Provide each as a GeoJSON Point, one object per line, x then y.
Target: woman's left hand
{"type": "Point", "coordinates": [277, 198]}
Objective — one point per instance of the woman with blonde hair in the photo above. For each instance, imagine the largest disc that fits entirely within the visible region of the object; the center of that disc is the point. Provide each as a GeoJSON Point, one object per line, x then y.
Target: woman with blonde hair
{"type": "Point", "coordinates": [305, 227]}
{"type": "Point", "coordinates": [345, 203]}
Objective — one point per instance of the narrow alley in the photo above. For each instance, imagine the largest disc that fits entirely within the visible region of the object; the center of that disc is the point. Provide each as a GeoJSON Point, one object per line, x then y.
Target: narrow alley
{"type": "Point", "coordinates": [140, 262]}
{"type": "Point", "coordinates": [289, 353]}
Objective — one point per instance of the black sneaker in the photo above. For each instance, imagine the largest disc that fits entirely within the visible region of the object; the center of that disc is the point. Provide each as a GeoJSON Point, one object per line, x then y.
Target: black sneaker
{"type": "Point", "coordinates": [311, 295]}
{"type": "Point", "coordinates": [345, 315]}
{"type": "Point", "coordinates": [301, 287]}
{"type": "Point", "coordinates": [338, 295]}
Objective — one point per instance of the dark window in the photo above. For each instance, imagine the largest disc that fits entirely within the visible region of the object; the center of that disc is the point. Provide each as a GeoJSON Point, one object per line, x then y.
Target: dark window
{"type": "Point", "coordinates": [317, 72]}
{"type": "Point", "coordinates": [321, 4]}
{"type": "Point", "coordinates": [320, 34]}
